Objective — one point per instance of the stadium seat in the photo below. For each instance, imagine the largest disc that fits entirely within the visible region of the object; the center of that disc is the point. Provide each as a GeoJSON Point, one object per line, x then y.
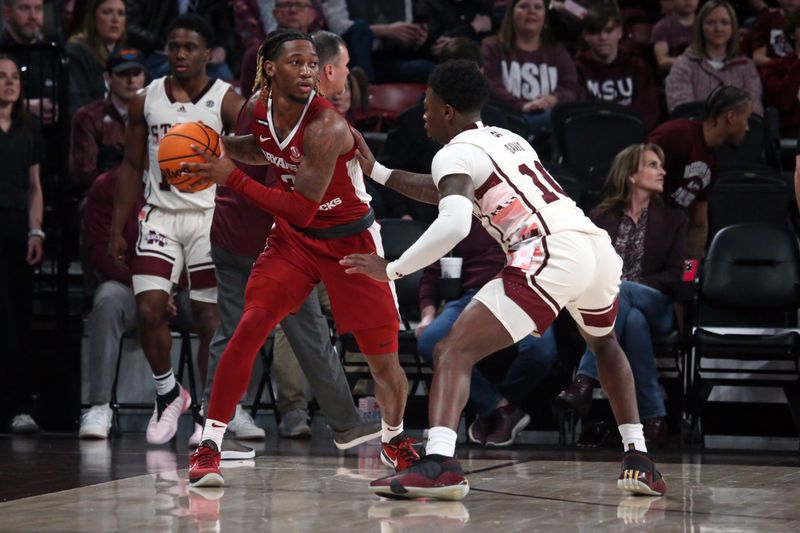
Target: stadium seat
{"type": "Point", "coordinates": [386, 101]}
{"type": "Point", "coordinates": [749, 195]}
{"type": "Point", "coordinates": [750, 288]}
{"type": "Point", "coordinates": [583, 145]}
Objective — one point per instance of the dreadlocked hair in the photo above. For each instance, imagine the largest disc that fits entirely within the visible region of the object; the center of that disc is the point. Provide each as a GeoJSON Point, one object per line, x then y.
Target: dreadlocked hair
{"type": "Point", "coordinates": [269, 50]}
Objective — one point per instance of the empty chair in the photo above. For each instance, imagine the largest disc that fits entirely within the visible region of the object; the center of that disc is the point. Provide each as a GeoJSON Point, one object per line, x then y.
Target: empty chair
{"type": "Point", "coordinates": [750, 280]}
{"type": "Point", "coordinates": [588, 135]}
{"type": "Point", "coordinates": [749, 196]}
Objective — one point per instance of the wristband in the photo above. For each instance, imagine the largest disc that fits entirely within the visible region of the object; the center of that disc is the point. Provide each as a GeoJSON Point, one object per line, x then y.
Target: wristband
{"type": "Point", "coordinates": [391, 272]}
{"type": "Point", "coordinates": [36, 233]}
{"type": "Point", "coordinates": [380, 174]}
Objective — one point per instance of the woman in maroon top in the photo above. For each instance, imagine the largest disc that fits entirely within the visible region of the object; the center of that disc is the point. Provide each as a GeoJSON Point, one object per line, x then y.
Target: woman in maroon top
{"type": "Point", "coordinates": [527, 71]}
{"type": "Point", "coordinates": [651, 240]}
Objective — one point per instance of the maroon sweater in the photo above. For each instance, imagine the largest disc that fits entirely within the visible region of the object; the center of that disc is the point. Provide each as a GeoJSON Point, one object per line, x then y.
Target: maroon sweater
{"type": "Point", "coordinates": [518, 77]}
{"type": "Point", "coordinates": [781, 80]}
{"type": "Point", "coordinates": [98, 140]}
{"type": "Point", "coordinates": [483, 259]}
{"type": "Point", "coordinates": [627, 81]}
{"type": "Point", "coordinates": [689, 163]}
{"type": "Point", "coordinates": [768, 31]}
{"type": "Point", "coordinates": [97, 225]}
{"type": "Point", "coordinates": [239, 226]}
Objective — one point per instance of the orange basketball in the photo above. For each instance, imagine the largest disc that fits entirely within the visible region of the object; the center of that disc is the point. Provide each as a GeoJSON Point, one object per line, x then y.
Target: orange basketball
{"type": "Point", "coordinates": [176, 148]}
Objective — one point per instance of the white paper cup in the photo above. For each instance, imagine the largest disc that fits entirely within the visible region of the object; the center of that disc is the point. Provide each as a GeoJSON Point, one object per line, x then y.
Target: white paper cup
{"type": "Point", "coordinates": [451, 267]}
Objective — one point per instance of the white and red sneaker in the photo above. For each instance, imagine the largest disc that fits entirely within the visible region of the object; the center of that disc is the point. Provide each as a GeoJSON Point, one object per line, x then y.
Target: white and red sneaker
{"type": "Point", "coordinates": [204, 466]}
{"type": "Point", "coordinates": [162, 429]}
{"type": "Point", "coordinates": [399, 453]}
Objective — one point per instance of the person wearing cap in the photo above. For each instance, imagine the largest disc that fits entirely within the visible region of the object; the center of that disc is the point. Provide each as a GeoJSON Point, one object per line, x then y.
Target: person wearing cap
{"type": "Point", "coordinates": [98, 129]}
{"type": "Point", "coordinates": [88, 51]}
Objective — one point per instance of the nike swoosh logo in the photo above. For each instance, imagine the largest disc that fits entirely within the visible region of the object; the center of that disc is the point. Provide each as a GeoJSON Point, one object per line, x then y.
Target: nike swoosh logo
{"type": "Point", "coordinates": [262, 139]}
{"type": "Point", "coordinates": [213, 425]}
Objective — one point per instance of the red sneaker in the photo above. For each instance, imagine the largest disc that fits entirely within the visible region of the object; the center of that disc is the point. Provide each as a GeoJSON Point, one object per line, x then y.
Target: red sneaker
{"type": "Point", "coordinates": [399, 453]}
{"type": "Point", "coordinates": [204, 466]}
{"type": "Point", "coordinates": [434, 476]}
{"type": "Point", "coordinates": [639, 475]}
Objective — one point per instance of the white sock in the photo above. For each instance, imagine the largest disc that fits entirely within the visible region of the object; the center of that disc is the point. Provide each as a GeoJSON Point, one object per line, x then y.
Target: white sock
{"type": "Point", "coordinates": [214, 430]}
{"type": "Point", "coordinates": [165, 382]}
{"type": "Point", "coordinates": [388, 432]}
{"type": "Point", "coordinates": [632, 434]}
{"type": "Point", "coordinates": [441, 441]}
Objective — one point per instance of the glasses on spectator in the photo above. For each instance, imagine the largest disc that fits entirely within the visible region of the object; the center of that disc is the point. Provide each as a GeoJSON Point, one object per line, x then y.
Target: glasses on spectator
{"type": "Point", "coordinates": [292, 5]}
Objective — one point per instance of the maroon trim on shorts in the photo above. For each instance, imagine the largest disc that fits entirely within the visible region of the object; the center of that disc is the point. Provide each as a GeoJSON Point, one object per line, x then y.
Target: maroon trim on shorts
{"type": "Point", "coordinates": [202, 279]}
{"type": "Point", "coordinates": [600, 318]}
{"type": "Point", "coordinates": [493, 180]}
{"type": "Point", "coordinates": [516, 287]}
{"type": "Point", "coordinates": [144, 265]}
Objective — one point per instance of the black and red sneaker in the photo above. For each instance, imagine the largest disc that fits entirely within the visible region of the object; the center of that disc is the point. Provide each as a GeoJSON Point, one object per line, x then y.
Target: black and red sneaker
{"type": "Point", "coordinates": [399, 453]}
{"type": "Point", "coordinates": [204, 466]}
{"type": "Point", "coordinates": [433, 476]}
{"type": "Point", "coordinates": [639, 475]}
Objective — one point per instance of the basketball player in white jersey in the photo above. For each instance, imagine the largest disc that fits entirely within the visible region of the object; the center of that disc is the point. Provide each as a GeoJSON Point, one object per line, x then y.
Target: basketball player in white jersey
{"type": "Point", "coordinates": [173, 226]}
{"type": "Point", "coordinates": [556, 258]}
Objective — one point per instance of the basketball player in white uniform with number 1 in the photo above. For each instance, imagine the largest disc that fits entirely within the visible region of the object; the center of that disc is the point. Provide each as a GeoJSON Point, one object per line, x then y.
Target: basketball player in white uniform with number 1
{"type": "Point", "coordinates": [556, 257]}
{"type": "Point", "coordinates": [174, 226]}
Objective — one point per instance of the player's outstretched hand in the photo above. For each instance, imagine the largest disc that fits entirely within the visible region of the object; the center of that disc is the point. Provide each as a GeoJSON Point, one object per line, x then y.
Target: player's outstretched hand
{"type": "Point", "coordinates": [369, 264]}
{"type": "Point", "coordinates": [216, 169]}
{"type": "Point", "coordinates": [364, 155]}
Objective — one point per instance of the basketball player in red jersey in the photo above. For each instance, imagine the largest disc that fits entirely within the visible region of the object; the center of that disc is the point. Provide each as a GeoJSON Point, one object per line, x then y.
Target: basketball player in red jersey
{"type": "Point", "coordinates": [322, 213]}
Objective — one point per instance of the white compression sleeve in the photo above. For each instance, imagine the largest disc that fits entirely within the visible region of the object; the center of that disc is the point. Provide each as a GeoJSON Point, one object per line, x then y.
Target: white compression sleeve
{"type": "Point", "coordinates": [449, 228]}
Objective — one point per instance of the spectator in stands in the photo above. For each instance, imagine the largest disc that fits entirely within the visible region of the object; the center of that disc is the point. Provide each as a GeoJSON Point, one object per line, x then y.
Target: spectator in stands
{"type": "Point", "coordinates": [389, 25]}
{"type": "Point", "coordinates": [448, 19]}
{"type": "Point", "coordinates": [103, 32]}
{"type": "Point", "coordinates": [672, 34]}
{"type": "Point", "coordinates": [769, 38]}
{"type": "Point", "coordinates": [609, 74]}
{"type": "Point", "coordinates": [21, 239]}
{"type": "Point", "coordinates": [23, 25]}
{"type": "Point", "coordinates": [713, 59]}
{"type": "Point", "coordinates": [500, 418]}
{"type": "Point", "coordinates": [651, 240]}
{"type": "Point", "coordinates": [781, 79]}
{"type": "Point", "coordinates": [148, 20]}
{"type": "Point", "coordinates": [98, 129]}
{"type": "Point", "coordinates": [254, 19]}
{"type": "Point", "coordinates": [527, 71]}
{"type": "Point", "coordinates": [689, 160]}
{"type": "Point", "coordinates": [114, 306]}
{"type": "Point", "coordinates": [293, 14]}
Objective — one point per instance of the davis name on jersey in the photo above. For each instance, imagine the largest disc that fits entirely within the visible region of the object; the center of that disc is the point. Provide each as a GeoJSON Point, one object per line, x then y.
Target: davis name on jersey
{"type": "Point", "coordinates": [517, 199]}
{"type": "Point", "coordinates": [161, 112]}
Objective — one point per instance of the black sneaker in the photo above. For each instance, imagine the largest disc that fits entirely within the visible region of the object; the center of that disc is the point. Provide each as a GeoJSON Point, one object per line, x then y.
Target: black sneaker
{"type": "Point", "coordinates": [434, 476]}
{"type": "Point", "coordinates": [639, 475]}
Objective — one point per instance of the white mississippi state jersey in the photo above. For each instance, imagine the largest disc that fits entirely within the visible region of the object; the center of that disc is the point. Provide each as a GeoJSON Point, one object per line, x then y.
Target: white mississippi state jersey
{"type": "Point", "coordinates": [516, 199]}
{"type": "Point", "coordinates": [161, 112]}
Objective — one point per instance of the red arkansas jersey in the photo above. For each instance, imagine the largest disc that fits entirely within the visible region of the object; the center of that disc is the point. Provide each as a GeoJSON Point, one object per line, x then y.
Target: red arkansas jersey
{"type": "Point", "coordinates": [346, 199]}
